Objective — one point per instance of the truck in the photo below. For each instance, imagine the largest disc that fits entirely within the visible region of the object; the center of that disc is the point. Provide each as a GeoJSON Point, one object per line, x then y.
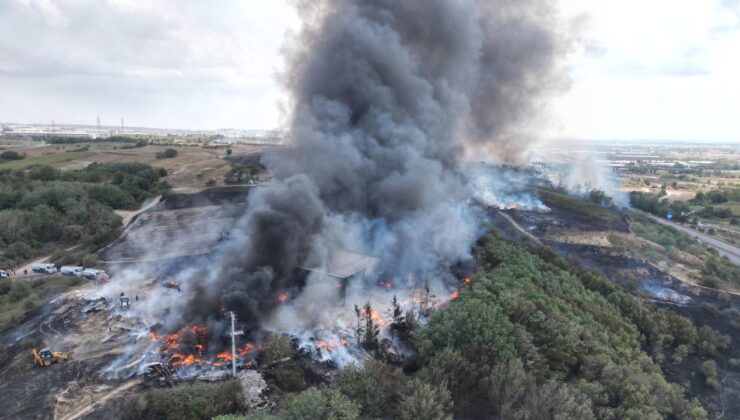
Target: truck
{"type": "Point", "coordinates": [71, 270]}
{"type": "Point", "coordinates": [46, 268]}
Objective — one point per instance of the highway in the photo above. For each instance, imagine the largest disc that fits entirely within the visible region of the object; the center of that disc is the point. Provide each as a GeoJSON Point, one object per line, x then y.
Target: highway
{"type": "Point", "coordinates": [730, 251]}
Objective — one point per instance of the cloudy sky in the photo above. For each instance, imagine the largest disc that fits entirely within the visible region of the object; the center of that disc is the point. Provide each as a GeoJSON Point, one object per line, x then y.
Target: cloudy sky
{"type": "Point", "coordinates": [658, 69]}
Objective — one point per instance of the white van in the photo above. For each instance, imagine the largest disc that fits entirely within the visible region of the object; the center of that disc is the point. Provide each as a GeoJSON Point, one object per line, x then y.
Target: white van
{"type": "Point", "coordinates": [44, 268]}
{"type": "Point", "coordinates": [4, 274]}
{"type": "Point", "coordinates": [71, 270]}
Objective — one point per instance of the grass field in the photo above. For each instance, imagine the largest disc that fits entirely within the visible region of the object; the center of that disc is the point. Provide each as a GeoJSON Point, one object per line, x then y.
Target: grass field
{"type": "Point", "coordinates": [46, 159]}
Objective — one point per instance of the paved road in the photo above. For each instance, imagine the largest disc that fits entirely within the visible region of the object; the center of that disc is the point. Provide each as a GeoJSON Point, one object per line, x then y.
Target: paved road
{"type": "Point", "coordinates": [730, 251]}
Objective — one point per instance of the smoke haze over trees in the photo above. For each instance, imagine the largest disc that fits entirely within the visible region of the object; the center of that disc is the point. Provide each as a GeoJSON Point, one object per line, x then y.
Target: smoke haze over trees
{"type": "Point", "coordinates": [388, 98]}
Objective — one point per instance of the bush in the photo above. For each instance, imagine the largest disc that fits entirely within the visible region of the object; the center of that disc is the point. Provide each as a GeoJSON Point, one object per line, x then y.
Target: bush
{"type": "Point", "coordinates": [290, 378]}
{"type": "Point", "coordinates": [711, 342]}
{"type": "Point", "coordinates": [44, 173]}
{"type": "Point", "coordinates": [11, 155]}
{"type": "Point", "coordinates": [275, 348]}
{"type": "Point", "coordinates": [19, 290]}
{"type": "Point", "coordinates": [90, 260]}
{"type": "Point", "coordinates": [374, 388]}
{"type": "Point", "coordinates": [709, 369]}
{"type": "Point", "coordinates": [195, 401]}
{"type": "Point", "coordinates": [111, 195]}
{"type": "Point", "coordinates": [425, 401]}
{"type": "Point", "coordinates": [314, 404]}
{"type": "Point", "coordinates": [680, 353]}
{"type": "Point", "coordinates": [167, 154]}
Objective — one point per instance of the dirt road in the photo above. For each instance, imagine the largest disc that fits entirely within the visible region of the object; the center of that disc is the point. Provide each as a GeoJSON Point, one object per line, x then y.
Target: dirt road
{"type": "Point", "coordinates": [730, 251]}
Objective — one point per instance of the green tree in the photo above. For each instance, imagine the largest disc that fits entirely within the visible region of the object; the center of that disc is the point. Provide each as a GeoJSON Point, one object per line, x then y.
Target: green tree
{"type": "Point", "coordinates": [374, 388]}
{"type": "Point", "coordinates": [313, 404]}
{"type": "Point", "coordinates": [425, 401]}
{"type": "Point", "coordinates": [275, 348]}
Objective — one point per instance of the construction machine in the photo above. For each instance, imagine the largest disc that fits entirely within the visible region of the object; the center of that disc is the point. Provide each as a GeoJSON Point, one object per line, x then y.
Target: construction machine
{"type": "Point", "coordinates": [46, 357]}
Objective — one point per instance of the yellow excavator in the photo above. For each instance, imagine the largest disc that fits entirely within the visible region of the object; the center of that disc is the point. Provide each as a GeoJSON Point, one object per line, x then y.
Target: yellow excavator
{"type": "Point", "coordinates": [46, 357]}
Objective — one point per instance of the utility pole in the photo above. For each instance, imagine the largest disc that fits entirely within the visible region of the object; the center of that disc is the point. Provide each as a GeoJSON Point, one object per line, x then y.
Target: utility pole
{"type": "Point", "coordinates": [53, 126]}
{"type": "Point", "coordinates": [98, 123]}
{"type": "Point", "coordinates": [233, 343]}
{"type": "Point", "coordinates": [122, 127]}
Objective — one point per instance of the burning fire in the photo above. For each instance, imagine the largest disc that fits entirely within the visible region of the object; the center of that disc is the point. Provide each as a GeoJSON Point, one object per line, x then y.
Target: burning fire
{"type": "Point", "coordinates": [386, 283]}
{"type": "Point", "coordinates": [375, 316]}
{"type": "Point", "coordinates": [466, 280]}
{"type": "Point", "coordinates": [188, 347]}
{"type": "Point", "coordinates": [330, 344]}
{"type": "Point", "coordinates": [454, 295]}
{"type": "Point", "coordinates": [282, 297]}
{"type": "Point", "coordinates": [246, 348]}
{"type": "Point", "coordinates": [224, 355]}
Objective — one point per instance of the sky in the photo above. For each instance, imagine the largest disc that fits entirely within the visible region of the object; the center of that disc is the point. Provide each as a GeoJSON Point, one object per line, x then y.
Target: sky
{"type": "Point", "coordinates": [658, 69]}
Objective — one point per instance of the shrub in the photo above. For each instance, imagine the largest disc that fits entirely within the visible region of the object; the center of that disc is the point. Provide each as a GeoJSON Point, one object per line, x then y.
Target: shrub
{"type": "Point", "coordinates": [374, 388]}
{"type": "Point", "coordinates": [680, 353]}
{"type": "Point", "coordinates": [43, 173]}
{"type": "Point", "coordinates": [195, 401]}
{"type": "Point", "coordinates": [709, 368]}
{"type": "Point", "coordinates": [425, 401]}
{"type": "Point", "coordinates": [315, 404]}
{"type": "Point", "coordinates": [19, 290]}
{"type": "Point", "coordinates": [167, 154]}
{"type": "Point", "coordinates": [11, 155]}
{"type": "Point", "coordinates": [90, 260]}
{"type": "Point", "coordinates": [290, 378]}
{"type": "Point", "coordinates": [275, 348]}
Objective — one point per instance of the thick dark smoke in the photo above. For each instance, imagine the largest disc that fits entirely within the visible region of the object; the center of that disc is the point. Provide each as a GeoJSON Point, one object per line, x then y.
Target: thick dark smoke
{"type": "Point", "coordinates": [388, 98]}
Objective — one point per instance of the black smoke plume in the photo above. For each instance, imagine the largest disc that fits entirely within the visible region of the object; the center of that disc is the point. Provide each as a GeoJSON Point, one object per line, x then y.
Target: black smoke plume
{"type": "Point", "coordinates": [388, 97]}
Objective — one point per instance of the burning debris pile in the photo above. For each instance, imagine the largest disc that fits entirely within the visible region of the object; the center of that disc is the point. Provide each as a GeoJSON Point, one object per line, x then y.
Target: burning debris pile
{"type": "Point", "coordinates": [188, 347]}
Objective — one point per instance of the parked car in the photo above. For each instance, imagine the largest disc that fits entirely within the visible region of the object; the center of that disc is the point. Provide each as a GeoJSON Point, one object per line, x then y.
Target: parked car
{"type": "Point", "coordinates": [94, 274]}
{"type": "Point", "coordinates": [71, 270]}
{"type": "Point", "coordinates": [46, 268]}
{"type": "Point", "coordinates": [4, 274]}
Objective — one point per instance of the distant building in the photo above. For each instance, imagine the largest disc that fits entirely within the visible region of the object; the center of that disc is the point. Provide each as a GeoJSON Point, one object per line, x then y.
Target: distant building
{"type": "Point", "coordinates": [41, 133]}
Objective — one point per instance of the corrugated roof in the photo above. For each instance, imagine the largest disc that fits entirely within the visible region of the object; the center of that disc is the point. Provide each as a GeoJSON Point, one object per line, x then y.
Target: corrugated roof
{"type": "Point", "coordinates": [343, 264]}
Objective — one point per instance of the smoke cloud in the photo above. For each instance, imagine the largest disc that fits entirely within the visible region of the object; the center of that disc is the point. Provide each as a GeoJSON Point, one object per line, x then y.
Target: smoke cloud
{"type": "Point", "coordinates": [388, 99]}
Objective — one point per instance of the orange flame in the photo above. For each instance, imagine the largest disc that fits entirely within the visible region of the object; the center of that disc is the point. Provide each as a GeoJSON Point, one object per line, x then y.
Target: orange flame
{"type": "Point", "coordinates": [282, 297]}
{"type": "Point", "coordinates": [386, 283]}
{"type": "Point", "coordinates": [454, 294]}
{"type": "Point", "coordinates": [246, 348]}
{"type": "Point", "coordinates": [466, 280]}
{"type": "Point", "coordinates": [330, 344]}
{"type": "Point", "coordinates": [375, 316]}
{"type": "Point", "coordinates": [225, 355]}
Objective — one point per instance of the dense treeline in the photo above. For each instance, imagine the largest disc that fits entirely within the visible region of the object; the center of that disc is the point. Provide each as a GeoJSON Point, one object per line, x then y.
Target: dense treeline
{"type": "Point", "coordinates": [42, 207]}
{"type": "Point", "coordinates": [659, 206]}
{"type": "Point", "coordinates": [655, 204]}
{"type": "Point", "coordinates": [531, 337]}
